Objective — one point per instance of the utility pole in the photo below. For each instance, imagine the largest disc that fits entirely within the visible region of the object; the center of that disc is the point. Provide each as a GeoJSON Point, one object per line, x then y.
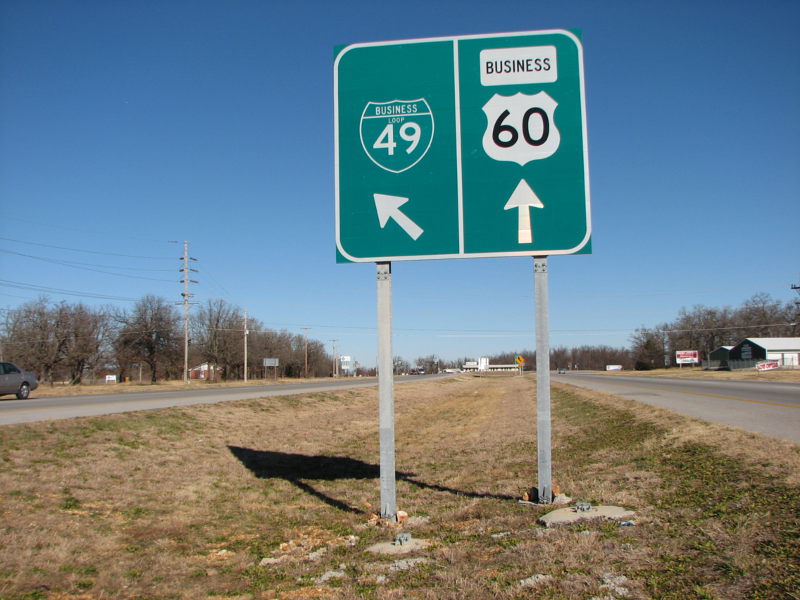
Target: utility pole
{"type": "Point", "coordinates": [186, 295]}
{"type": "Point", "coordinates": [245, 345]}
{"type": "Point", "coordinates": [335, 364]}
{"type": "Point", "coordinates": [305, 340]}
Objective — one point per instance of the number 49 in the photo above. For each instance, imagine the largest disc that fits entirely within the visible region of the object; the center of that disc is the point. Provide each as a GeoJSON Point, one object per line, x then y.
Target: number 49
{"type": "Point", "coordinates": [409, 132]}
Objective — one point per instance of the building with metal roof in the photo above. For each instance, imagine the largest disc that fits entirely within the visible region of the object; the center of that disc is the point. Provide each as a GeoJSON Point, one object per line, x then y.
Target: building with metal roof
{"type": "Point", "coordinates": [785, 350]}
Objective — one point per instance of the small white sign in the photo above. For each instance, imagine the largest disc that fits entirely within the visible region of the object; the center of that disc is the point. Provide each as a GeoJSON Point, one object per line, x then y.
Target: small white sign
{"type": "Point", "coordinates": [111, 379]}
{"type": "Point", "coordinates": [512, 66]}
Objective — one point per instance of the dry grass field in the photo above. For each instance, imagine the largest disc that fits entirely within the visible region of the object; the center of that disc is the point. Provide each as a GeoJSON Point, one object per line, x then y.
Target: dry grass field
{"type": "Point", "coordinates": [45, 390]}
{"type": "Point", "coordinates": [786, 375]}
{"type": "Point", "coordinates": [62, 389]}
{"type": "Point", "coordinates": [274, 499]}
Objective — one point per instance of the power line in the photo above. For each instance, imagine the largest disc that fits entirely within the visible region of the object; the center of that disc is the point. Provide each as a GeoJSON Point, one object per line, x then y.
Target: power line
{"type": "Point", "coordinates": [103, 253]}
{"type": "Point", "coordinates": [50, 290]}
{"type": "Point", "coordinates": [75, 262]}
{"type": "Point", "coordinates": [75, 266]}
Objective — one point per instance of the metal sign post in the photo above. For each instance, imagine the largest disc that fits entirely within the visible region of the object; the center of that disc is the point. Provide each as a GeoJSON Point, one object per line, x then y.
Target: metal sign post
{"type": "Point", "coordinates": [386, 391]}
{"type": "Point", "coordinates": [271, 362]}
{"type": "Point", "coordinates": [543, 443]}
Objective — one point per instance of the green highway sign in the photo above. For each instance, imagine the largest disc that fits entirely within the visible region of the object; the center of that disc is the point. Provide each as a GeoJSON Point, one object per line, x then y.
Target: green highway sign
{"type": "Point", "coordinates": [461, 147]}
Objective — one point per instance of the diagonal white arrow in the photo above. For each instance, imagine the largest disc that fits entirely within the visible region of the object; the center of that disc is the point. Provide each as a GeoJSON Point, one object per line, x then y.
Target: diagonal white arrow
{"type": "Point", "coordinates": [523, 198]}
{"type": "Point", "coordinates": [388, 207]}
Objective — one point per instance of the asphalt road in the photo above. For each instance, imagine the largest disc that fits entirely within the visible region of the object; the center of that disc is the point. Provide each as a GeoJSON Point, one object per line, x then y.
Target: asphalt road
{"type": "Point", "coordinates": [64, 407]}
{"type": "Point", "coordinates": [769, 408]}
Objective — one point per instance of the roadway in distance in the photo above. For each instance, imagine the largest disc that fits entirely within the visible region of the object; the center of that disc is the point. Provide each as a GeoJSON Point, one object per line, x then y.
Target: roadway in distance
{"type": "Point", "coordinates": [14, 412]}
{"type": "Point", "coordinates": [771, 408]}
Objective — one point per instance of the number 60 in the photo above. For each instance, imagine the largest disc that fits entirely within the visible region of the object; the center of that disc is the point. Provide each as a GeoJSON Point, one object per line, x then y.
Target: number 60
{"type": "Point", "coordinates": [513, 135]}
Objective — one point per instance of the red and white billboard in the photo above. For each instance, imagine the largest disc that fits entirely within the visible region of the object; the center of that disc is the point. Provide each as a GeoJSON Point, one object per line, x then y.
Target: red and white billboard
{"type": "Point", "coordinates": [687, 357]}
{"type": "Point", "coordinates": [768, 365]}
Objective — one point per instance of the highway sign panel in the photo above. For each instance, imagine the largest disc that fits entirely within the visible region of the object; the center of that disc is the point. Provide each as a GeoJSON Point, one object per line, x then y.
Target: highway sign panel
{"type": "Point", "coordinates": [461, 147]}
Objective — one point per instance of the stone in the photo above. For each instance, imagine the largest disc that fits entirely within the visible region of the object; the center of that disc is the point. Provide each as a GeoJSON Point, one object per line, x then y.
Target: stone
{"type": "Point", "coordinates": [317, 554]}
{"type": "Point", "coordinates": [407, 563]}
{"type": "Point", "coordinates": [392, 548]}
{"type": "Point", "coordinates": [570, 515]}
{"type": "Point", "coordinates": [615, 584]}
{"type": "Point", "coordinates": [535, 580]}
{"type": "Point", "coordinates": [328, 575]}
{"type": "Point", "coordinates": [500, 535]}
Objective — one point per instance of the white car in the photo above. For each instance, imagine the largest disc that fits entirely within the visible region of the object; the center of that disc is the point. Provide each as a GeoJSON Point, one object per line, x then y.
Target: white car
{"type": "Point", "coordinates": [14, 380]}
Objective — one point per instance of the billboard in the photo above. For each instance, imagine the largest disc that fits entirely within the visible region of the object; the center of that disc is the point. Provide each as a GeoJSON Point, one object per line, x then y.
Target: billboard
{"type": "Point", "coordinates": [687, 357]}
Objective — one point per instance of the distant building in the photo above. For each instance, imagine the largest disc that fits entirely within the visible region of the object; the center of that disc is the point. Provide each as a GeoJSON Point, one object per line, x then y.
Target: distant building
{"type": "Point", "coordinates": [205, 372]}
{"type": "Point", "coordinates": [718, 359]}
{"type": "Point", "coordinates": [482, 366]}
{"type": "Point", "coordinates": [784, 350]}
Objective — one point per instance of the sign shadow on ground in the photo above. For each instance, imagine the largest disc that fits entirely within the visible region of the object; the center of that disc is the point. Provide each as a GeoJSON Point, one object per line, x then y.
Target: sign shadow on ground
{"type": "Point", "coordinates": [299, 469]}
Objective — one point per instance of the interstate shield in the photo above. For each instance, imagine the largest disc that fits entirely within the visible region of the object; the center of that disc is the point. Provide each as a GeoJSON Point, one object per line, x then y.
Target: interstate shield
{"type": "Point", "coordinates": [396, 134]}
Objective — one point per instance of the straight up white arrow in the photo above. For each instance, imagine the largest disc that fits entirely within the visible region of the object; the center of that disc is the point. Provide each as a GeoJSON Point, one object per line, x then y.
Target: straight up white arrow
{"type": "Point", "coordinates": [388, 207]}
{"type": "Point", "coordinates": [522, 199]}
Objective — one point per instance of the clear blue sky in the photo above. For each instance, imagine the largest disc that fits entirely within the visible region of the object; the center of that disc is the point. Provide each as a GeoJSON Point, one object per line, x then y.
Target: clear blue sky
{"type": "Point", "coordinates": [125, 125]}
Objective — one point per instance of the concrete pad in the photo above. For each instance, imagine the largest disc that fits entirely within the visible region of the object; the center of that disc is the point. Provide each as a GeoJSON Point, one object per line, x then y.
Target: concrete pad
{"type": "Point", "coordinates": [392, 548]}
{"type": "Point", "coordinates": [570, 515]}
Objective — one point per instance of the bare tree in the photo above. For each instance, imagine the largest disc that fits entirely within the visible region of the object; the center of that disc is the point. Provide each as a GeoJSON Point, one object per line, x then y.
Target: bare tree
{"type": "Point", "coordinates": [428, 364]}
{"type": "Point", "coordinates": [36, 335]}
{"type": "Point", "coordinates": [218, 330]}
{"type": "Point", "coordinates": [648, 347]}
{"type": "Point", "coordinates": [87, 333]}
{"type": "Point", "coordinates": [400, 365]}
{"type": "Point", "coordinates": [150, 333]}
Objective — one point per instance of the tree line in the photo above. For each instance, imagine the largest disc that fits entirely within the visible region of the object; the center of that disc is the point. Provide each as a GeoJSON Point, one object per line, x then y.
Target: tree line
{"type": "Point", "coordinates": [700, 328]}
{"type": "Point", "coordinates": [706, 329]}
{"type": "Point", "coordinates": [581, 357]}
{"type": "Point", "coordinates": [70, 342]}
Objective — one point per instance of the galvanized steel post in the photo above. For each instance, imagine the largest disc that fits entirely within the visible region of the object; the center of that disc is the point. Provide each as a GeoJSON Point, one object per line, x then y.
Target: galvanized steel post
{"type": "Point", "coordinates": [386, 391]}
{"type": "Point", "coordinates": [543, 443]}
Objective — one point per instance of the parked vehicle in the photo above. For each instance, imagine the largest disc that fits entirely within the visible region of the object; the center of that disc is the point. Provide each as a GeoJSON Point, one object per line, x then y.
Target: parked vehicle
{"type": "Point", "coordinates": [14, 380]}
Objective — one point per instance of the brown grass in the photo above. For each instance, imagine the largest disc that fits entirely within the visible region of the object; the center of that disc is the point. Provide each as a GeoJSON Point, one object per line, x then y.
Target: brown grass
{"type": "Point", "coordinates": [787, 375]}
{"type": "Point", "coordinates": [46, 390]}
{"type": "Point", "coordinates": [187, 502]}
